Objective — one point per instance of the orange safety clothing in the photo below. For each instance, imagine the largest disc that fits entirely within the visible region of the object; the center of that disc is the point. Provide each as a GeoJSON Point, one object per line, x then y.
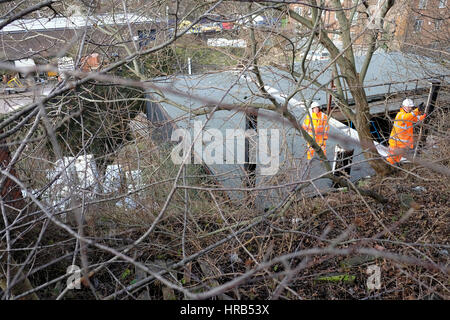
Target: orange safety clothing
{"type": "Point", "coordinates": [318, 129]}
{"type": "Point", "coordinates": [401, 138]}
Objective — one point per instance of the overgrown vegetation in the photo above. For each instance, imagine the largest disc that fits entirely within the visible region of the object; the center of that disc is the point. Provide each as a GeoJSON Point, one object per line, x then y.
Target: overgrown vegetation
{"type": "Point", "coordinates": [139, 227]}
{"type": "Point", "coordinates": [204, 57]}
{"type": "Point", "coordinates": [413, 224]}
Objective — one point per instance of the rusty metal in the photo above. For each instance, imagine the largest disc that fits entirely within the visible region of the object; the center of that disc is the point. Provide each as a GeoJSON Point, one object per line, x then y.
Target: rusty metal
{"type": "Point", "coordinates": [10, 192]}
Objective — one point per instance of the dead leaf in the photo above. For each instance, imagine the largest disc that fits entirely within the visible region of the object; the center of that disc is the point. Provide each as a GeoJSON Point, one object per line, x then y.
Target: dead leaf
{"type": "Point", "coordinates": [84, 281]}
{"type": "Point", "coordinates": [358, 222]}
{"type": "Point", "coordinates": [415, 205]}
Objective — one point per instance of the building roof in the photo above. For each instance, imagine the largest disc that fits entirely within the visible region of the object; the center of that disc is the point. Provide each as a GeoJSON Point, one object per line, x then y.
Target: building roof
{"type": "Point", "coordinates": [390, 72]}
{"type": "Point", "coordinates": [74, 22]}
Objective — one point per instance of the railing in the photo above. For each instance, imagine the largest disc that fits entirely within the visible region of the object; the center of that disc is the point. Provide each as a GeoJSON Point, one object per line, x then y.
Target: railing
{"type": "Point", "coordinates": [382, 96]}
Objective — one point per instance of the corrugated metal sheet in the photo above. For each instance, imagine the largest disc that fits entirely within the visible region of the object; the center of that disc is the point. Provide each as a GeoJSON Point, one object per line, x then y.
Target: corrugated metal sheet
{"type": "Point", "coordinates": [74, 22]}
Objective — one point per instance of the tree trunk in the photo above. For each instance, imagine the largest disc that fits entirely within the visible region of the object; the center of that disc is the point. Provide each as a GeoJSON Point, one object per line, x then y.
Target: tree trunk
{"type": "Point", "coordinates": [363, 128]}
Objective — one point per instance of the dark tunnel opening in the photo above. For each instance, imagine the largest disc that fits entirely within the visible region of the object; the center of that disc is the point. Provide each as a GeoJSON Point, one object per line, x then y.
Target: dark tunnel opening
{"type": "Point", "coordinates": [380, 126]}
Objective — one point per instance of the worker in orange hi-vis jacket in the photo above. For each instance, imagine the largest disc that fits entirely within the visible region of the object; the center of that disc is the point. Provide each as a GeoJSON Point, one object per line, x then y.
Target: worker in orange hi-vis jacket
{"type": "Point", "coordinates": [317, 127]}
{"type": "Point", "coordinates": [401, 139]}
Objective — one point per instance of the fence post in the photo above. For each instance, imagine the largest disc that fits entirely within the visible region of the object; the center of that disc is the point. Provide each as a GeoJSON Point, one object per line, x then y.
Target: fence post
{"type": "Point", "coordinates": [429, 108]}
{"type": "Point", "coordinates": [189, 66]}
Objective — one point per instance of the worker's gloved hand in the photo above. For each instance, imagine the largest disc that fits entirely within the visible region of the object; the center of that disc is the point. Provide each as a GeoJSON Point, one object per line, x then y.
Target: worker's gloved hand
{"type": "Point", "coordinates": [421, 107]}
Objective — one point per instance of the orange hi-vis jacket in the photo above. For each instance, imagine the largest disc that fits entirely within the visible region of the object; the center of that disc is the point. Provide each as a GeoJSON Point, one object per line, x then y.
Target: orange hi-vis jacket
{"type": "Point", "coordinates": [402, 131]}
{"type": "Point", "coordinates": [318, 129]}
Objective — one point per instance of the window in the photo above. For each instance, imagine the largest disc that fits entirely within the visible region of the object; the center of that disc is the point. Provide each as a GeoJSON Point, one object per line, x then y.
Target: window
{"type": "Point", "coordinates": [422, 4]}
{"type": "Point", "coordinates": [442, 4]}
{"type": "Point", "coordinates": [438, 24]}
{"type": "Point", "coordinates": [298, 10]}
{"type": "Point", "coordinates": [418, 25]}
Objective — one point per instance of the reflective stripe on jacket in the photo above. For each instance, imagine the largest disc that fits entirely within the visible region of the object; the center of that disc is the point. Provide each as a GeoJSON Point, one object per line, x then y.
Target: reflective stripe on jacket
{"type": "Point", "coordinates": [319, 125]}
{"type": "Point", "coordinates": [402, 130]}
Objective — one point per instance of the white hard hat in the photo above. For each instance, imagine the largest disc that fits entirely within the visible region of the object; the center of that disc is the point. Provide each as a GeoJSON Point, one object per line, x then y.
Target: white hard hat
{"type": "Point", "coordinates": [314, 104]}
{"type": "Point", "coordinates": [408, 103]}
